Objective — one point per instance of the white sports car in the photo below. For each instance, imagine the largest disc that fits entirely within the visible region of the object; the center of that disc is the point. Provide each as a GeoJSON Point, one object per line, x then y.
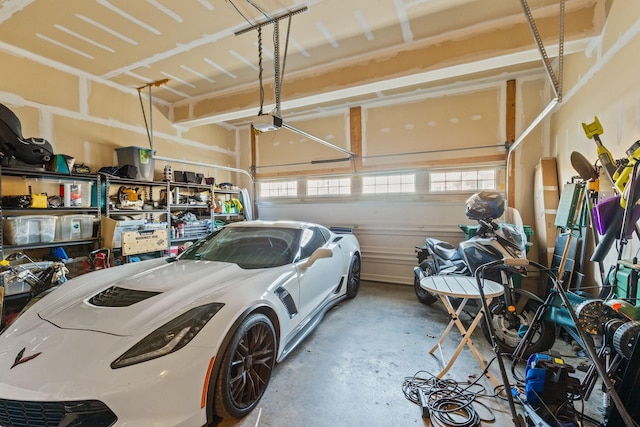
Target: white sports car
{"type": "Point", "coordinates": [175, 341]}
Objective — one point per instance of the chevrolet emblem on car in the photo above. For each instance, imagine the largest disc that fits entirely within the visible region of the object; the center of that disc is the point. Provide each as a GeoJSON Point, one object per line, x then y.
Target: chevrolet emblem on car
{"type": "Point", "coordinates": [19, 359]}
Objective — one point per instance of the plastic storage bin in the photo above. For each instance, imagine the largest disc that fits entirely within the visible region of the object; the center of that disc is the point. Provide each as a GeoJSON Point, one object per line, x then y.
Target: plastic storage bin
{"type": "Point", "coordinates": [74, 227]}
{"type": "Point", "coordinates": [140, 158]}
{"type": "Point", "coordinates": [87, 191]}
{"type": "Point", "coordinates": [13, 285]}
{"type": "Point", "coordinates": [28, 229]}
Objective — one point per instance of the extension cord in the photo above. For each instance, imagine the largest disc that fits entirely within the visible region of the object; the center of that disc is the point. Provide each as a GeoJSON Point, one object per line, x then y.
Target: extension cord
{"type": "Point", "coordinates": [424, 403]}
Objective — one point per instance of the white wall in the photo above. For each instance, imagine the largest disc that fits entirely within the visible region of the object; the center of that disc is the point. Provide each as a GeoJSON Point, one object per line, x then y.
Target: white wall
{"type": "Point", "coordinates": [602, 82]}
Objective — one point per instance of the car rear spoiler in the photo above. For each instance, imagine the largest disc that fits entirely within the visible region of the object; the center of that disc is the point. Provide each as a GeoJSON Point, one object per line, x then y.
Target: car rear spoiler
{"type": "Point", "coordinates": [341, 230]}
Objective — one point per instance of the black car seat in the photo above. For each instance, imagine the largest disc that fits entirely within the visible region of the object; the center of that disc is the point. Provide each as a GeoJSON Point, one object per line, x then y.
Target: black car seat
{"type": "Point", "coordinates": [32, 151]}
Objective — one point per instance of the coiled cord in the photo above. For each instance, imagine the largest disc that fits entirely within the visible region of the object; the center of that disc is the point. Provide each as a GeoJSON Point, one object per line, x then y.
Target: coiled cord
{"type": "Point", "coordinates": [448, 402]}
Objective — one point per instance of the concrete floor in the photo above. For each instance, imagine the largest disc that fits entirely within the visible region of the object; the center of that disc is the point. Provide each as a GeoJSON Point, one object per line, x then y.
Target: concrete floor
{"type": "Point", "coordinates": [350, 370]}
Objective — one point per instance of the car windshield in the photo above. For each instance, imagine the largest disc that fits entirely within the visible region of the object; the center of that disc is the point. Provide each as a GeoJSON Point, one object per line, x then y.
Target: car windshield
{"type": "Point", "coordinates": [248, 247]}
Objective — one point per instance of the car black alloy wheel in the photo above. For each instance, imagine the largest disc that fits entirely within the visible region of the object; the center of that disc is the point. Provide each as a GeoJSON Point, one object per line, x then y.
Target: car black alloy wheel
{"type": "Point", "coordinates": [246, 368]}
{"type": "Point", "coordinates": [353, 280]}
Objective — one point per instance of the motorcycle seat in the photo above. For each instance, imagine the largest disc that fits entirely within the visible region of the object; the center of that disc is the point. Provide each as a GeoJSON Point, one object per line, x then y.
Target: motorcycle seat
{"type": "Point", "coordinates": [444, 249]}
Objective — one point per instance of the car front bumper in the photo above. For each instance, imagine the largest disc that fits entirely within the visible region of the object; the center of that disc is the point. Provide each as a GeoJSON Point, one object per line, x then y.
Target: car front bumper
{"type": "Point", "coordinates": [72, 370]}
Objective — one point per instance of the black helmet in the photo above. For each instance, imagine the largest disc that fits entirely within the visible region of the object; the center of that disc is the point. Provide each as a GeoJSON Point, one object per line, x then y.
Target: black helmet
{"type": "Point", "coordinates": [485, 205]}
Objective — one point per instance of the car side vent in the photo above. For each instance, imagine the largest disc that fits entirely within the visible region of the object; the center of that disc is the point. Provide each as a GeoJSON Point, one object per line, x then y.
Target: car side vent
{"type": "Point", "coordinates": [336, 239]}
{"type": "Point", "coordinates": [120, 297]}
{"type": "Point", "coordinates": [288, 301]}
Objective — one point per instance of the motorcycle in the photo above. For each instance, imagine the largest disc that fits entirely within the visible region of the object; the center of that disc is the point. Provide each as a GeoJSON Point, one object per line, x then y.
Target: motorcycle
{"type": "Point", "coordinates": [29, 281]}
{"type": "Point", "coordinates": [512, 313]}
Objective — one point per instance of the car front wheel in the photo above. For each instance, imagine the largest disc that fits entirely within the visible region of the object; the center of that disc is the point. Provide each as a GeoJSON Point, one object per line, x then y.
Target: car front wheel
{"type": "Point", "coordinates": [246, 367]}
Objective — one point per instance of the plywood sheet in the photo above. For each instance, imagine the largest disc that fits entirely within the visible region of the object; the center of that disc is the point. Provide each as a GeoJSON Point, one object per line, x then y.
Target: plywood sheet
{"type": "Point", "coordinates": [546, 199]}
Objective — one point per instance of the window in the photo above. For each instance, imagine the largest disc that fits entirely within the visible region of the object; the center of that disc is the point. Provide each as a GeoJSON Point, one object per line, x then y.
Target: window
{"type": "Point", "coordinates": [465, 180]}
{"type": "Point", "coordinates": [329, 187]}
{"type": "Point", "coordinates": [279, 189]}
{"type": "Point", "coordinates": [383, 184]}
{"type": "Point", "coordinates": [248, 246]}
{"type": "Point", "coordinates": [312, 239]}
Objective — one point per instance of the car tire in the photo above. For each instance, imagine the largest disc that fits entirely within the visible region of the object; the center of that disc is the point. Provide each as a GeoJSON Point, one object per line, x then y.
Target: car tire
{"type": "Point", "coordinates": [507, 336]}
{"type": "Point", "coordinates": [353, 279]}
{"type": "Point", "coordinates": [246, 367]}
{"type": "Point", "coordinates": [424, 296]}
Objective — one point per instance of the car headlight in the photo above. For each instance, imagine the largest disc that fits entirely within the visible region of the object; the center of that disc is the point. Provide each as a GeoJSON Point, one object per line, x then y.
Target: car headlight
{"type": "Point", "coordinates": [170, 337]}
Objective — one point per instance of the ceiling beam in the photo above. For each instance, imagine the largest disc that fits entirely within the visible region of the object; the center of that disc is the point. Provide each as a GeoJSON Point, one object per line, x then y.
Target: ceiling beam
{"type": "Point", "coordinates": [494, 63]}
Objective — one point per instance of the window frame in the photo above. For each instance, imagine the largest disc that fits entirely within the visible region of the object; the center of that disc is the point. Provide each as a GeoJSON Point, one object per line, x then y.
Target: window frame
{"type": "Point", "coordinates": [462, 188]}
{"type": "Point", "coordinates": [279, 189]}
{"type": "Point", "coordinates": [337, 180]}
{"type": "Point", "coordinates": [387, 184]}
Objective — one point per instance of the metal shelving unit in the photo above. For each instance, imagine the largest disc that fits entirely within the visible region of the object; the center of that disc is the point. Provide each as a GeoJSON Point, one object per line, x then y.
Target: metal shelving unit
{"type": "Point", "coordinates": [228, 217]}
{"type": "Point", "coordinates": [199, 205]}
{"type": "Point", "coordinates": [37, 175]}
{"type": "Point", "coordinates": [173, 191]}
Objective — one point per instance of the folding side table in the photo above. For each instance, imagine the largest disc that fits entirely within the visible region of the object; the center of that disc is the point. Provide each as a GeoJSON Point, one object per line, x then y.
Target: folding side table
{"type": "Point", "coordinates": [466, 288]}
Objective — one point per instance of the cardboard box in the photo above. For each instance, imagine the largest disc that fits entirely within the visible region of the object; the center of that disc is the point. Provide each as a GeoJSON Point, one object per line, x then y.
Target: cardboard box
{"type": "Point", "coordinates": [144, 241]}
{"type": "Point", "coordinates": [111, 230]}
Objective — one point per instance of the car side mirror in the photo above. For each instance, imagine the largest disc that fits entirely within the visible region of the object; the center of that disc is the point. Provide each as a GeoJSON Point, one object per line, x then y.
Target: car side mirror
{"type": "Point", "coordinates": [318, 254]}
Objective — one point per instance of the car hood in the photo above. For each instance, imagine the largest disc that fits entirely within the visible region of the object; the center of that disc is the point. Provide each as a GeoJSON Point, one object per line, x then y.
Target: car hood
{"type": "Point", "coordinates": [148, 295]}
